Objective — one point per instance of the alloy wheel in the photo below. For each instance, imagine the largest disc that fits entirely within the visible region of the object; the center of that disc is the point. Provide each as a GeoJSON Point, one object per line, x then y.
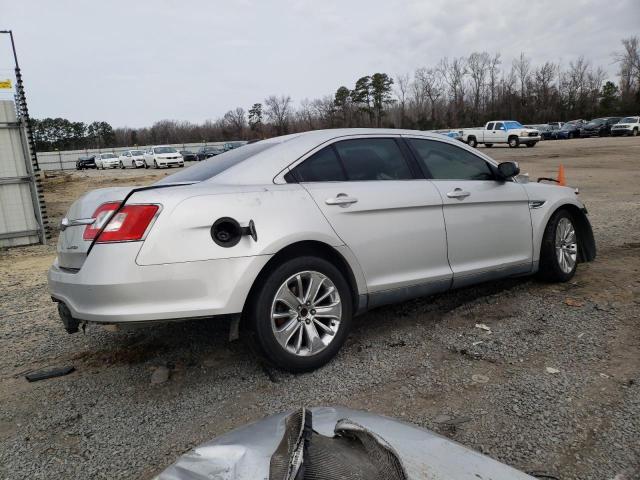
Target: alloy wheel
{"type": "Point", "coordinates": [566, 245]}
{"type": "Point", "coordinates": [306, 313]}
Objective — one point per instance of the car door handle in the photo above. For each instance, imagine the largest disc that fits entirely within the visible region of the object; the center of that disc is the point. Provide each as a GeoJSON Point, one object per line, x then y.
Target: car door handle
{"type": "Point", "coordinates": [458, 193]}
{"type": "Point", "coordinates": [341, 199]}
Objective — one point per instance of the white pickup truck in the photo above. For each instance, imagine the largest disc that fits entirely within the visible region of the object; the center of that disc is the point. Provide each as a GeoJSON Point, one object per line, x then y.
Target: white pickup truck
{"type": "Point", "coordinates": [501, 131]}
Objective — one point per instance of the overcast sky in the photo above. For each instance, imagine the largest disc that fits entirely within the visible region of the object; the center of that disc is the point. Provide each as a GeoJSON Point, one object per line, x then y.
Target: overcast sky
{"type": "Point", "coordinates": [135, 62]}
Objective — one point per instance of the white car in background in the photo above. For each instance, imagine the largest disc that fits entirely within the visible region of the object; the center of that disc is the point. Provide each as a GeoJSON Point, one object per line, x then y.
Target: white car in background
{"type": "Point", "coordinates": [294, 235]}
{"type": "Point", "coordinates": [107, 160]}
{"type": "Point", "coordinates": [163, 156]}
{"type": "Point", "coordinates": [627, 126]}
{"type": "Point", "coordinates": [133, 159]}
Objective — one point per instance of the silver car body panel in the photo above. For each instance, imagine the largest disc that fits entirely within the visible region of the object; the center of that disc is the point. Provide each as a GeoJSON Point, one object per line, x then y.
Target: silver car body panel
{"type": "Point", "coordinates": [400, 239]}
{"type": "Point", "coordinates": [245, 453]}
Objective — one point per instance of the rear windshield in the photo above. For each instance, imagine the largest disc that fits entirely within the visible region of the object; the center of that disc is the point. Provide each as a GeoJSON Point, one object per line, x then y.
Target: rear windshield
{"type": "Point", "coordinates": [137, 152]}
{"type": "Point", "coordinates": [218, 164]}
{"type": "Point", "coordinates": [108, 155]}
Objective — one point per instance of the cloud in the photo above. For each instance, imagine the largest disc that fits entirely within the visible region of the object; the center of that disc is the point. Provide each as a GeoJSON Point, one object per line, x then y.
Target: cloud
{"type": "Point", "coordinates": [132, 63]}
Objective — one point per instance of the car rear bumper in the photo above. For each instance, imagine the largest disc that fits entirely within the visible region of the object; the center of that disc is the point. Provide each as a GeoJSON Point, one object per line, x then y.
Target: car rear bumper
{"type": "Point", "coordinates": [111, 288]}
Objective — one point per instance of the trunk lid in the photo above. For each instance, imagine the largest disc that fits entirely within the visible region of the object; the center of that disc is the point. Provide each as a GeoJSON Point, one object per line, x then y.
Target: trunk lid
{"type": "Point", "coordinates": [72, 248]}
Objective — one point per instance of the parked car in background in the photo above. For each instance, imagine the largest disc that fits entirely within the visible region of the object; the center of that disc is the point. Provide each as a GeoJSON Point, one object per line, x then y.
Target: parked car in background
{"type": "Point", "coordinates": [163, 156]}
{"type": "Point", "coordinates": [548, 131]}
{"type": "Point", "coordinates": [232, 145]}
{"type": "Point", "coordinates": [86, 162]}
{"type": "Point", "coordinates": [133, 159]}
{"type": "Point", "coordinates": [598, 127]}
{"type": "Point", "coordinates": [297, 234]}
{"type": "Point", "coordinates": [501, 131]}
{"type": "Point", "coordinates": [568, 131]}
{"type": "Point", "coordinates": [627, 126]}
{"type": "Point", "coordinates": [455, 134]}
{"type": "Point", "coordinates": [556, 124]}
{"type": "Point", "coordinates": [209, 151]}
{"type": "Point", "coordinates": [107, 160]}
{"type": "Point", "coordinates": [188, 155]}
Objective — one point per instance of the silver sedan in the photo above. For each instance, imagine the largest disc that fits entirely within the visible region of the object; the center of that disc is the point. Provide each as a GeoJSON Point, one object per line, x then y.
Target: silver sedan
{"type": "Point", "coordinates": [294, 235]}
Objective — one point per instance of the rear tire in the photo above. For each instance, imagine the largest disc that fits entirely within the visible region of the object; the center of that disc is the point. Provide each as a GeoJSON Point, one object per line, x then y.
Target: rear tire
{"type": "Point", "coordinates": [559, 249]}
{"type": "Point", "coordinates": [267, 314]}
{"type": "Point", "coordinates": [514, 142]}
{"type": "Point", "coordinates": [472, 142]}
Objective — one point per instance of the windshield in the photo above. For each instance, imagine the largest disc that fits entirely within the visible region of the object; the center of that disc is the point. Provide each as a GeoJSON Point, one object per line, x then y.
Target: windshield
{"type": "Point", "coordinates": [137, 152]}
{"type": "Point", "coordinates": [629, 120]}
{"type": "Point", "coordinates": [164, 150]}
{"type": "Point", "coordinates": [511, 125]}
{"type": "Point", "coordinates": [108, 155]}
{"type": "Point", "coordinates": [215, 165]}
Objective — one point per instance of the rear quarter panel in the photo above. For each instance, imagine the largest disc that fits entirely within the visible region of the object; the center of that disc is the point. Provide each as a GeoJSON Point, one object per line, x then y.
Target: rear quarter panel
{"type": "Point", "coordinates": [283, 214]}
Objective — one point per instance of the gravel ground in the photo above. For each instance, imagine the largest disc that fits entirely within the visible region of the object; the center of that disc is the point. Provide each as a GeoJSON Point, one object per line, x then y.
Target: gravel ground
{"type": "Point", "coordinates": [423, 361]}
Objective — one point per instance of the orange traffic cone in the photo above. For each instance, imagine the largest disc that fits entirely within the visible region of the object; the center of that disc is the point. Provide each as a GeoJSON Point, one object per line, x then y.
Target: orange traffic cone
{"type": "Point", "coordinates": [561, 180]}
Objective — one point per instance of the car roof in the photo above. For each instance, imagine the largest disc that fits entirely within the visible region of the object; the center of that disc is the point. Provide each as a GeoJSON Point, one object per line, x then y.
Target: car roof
{"type": "Point", "coordinates": [262, 167]}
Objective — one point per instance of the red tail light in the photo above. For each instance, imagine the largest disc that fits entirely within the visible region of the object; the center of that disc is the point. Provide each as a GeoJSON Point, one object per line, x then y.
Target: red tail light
{"type": "Point", "coordinates": [102, 216]}
{"type": "Point", "coordinates": [129, 224]}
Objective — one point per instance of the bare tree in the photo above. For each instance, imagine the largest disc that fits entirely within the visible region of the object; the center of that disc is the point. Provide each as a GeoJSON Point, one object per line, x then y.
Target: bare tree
{"type": "Point", "coordinates": [402, 82]}
{"type": "Point", "coordinates": [629, 61]}
{"type": "Point", "coordinates": [278, 110]}
{"type": "Point", "coordinates": [522, 68]}
{"type": "Point", "coordinates": [305, 114]}
{"type": "Point", "coordinates": [478, 65]}
{"type": "Point", "coordinates": [494, 72]}
{"type": "Point", "coordinates": [454, 74]}
{"type": "Point", "coordinates": [236, 122]}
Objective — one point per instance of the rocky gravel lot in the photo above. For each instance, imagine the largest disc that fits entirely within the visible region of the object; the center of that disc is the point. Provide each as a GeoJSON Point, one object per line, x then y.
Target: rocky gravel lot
{"type": "Point", "coordinates": [551, 386]}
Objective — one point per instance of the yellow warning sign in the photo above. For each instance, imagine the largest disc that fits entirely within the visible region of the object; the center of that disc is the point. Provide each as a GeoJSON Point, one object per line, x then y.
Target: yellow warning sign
{"type": "Point", "coordinates": [5, 84]}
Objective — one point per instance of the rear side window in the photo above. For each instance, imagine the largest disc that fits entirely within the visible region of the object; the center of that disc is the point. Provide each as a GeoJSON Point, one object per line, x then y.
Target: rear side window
{"type": "Point", "coordinates": [213, 166]}
{"type": "Point", "coordinates": [489, 126]}
{"type": "Point", "coordinates": [444, 161]}
{"type": "Point", "coordinates": [322, 166]}
{"type": "Point", "coordinates": [373, 159]}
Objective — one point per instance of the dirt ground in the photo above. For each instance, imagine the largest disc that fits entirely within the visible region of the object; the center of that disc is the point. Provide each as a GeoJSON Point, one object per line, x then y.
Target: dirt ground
{"type": "Point", "coordinates": [422, 361]}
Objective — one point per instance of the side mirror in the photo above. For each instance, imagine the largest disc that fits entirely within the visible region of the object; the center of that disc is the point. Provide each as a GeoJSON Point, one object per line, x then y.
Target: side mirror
{"type": "Point", "coordinates": [508, 170]}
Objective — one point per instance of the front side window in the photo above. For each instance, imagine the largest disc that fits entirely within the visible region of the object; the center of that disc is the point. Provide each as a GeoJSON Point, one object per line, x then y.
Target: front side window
{"type": "Point", "coordinates": [444, 161]}
{"type": "Point", "coordinates": [499, 126]}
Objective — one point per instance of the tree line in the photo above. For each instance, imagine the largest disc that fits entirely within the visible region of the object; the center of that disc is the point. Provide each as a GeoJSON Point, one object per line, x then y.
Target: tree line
{"type": "Point", "coordinates": [455, 92]}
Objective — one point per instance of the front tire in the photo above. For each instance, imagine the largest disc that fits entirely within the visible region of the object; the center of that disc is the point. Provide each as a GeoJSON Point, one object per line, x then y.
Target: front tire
{"type": "Point", "coordinates": [301, 314]}
{"type": "Point", "coordinates": [155, 164]}
{"type": "Point", "coordinates": [514, 142]}
{"type": "Point", "coordinates": [531, 144]}
{"type": "Point", "coordinates": [559, 249]}
{"type": "Point", "coordinates": [634, 133]}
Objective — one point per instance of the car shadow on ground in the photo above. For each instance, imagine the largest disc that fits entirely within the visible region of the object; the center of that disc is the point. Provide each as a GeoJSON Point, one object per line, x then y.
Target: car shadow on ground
{"type": "Point", "coordinates": [191, 342]}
